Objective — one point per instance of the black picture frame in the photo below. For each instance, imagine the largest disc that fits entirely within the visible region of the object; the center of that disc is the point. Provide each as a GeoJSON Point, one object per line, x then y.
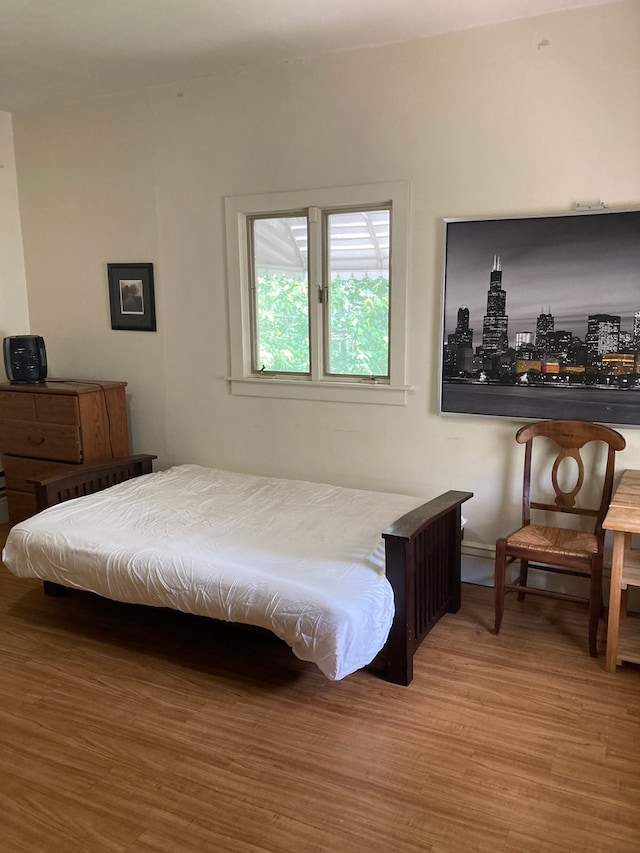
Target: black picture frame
{"type": "Point", "coordinates": [132, 297]}
{"type": "Point", "coordinates": [541, 317]}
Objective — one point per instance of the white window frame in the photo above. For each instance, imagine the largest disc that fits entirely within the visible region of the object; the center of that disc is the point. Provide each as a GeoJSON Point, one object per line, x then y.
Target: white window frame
{"type": "Point", "coordinates": [243, 380]}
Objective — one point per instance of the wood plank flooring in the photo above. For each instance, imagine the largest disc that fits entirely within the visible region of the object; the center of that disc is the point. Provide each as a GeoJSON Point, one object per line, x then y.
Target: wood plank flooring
{"type": "Point", "coordinates": [128, 730]}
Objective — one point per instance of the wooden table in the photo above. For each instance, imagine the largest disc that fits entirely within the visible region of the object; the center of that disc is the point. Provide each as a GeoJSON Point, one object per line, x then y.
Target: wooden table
{"type": "Point", "coordinates": [623, 518]}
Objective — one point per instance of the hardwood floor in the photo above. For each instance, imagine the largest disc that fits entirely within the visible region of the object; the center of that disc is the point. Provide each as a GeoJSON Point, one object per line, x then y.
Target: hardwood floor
{"type": "Point", "coordinates": [126, 729]}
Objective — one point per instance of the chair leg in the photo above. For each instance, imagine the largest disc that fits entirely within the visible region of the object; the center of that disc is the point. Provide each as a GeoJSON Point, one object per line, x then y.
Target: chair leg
{"type": "Point", "coordinates": [595, 608]}
{"type": "Point", "coordinates": [524, 577]}
{"type": "Point", "coordinates": [498, 582]}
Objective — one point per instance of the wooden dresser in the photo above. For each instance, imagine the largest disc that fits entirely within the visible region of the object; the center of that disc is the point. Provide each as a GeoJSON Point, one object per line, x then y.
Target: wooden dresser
{"type": "Point", "coordinates": [50, 427]}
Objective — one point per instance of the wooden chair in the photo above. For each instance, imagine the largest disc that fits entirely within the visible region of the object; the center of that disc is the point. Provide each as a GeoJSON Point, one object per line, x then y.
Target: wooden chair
{"type": "Point", "coordinates": [564, 550]}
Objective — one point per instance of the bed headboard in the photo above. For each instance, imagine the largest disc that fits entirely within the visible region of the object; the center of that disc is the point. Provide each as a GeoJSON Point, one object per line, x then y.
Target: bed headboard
{"type": "Point", "coordinates": [89, 479]}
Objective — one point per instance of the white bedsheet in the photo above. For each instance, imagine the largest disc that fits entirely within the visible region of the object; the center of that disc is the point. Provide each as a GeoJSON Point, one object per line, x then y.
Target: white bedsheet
{"type": "Point", "coordinates": [301, 559]}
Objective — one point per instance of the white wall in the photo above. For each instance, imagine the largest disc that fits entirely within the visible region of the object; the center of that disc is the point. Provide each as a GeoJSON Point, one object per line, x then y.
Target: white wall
{"type": "Point", "coordinates": [530, 116]}
{"type": "Point", "coordinates": [14, 315]}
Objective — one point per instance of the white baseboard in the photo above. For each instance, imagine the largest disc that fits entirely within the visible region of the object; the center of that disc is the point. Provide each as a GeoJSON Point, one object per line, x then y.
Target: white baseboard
{"type": "Point", "coordinates": [478, 549]}
{"type": "Point", "coordinates": [477, 568]}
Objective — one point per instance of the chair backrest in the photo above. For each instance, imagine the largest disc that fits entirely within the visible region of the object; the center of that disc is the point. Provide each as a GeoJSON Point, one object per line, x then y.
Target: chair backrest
{"type": "Point", "coordinates": [570, 438]}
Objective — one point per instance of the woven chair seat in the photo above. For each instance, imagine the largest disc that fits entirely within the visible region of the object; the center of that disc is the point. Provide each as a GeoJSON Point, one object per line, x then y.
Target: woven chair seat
{"type": "Point", "coordinates": [575, 543]}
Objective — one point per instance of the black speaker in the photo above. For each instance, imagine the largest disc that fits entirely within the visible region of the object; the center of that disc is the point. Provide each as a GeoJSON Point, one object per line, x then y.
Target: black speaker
{"type": "Point", "coordinates": [25, 359]}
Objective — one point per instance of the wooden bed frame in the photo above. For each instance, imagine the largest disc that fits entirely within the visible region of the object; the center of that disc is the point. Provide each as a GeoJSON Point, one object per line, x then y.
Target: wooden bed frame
{"type": "Point", "coordinates": [422, 556]}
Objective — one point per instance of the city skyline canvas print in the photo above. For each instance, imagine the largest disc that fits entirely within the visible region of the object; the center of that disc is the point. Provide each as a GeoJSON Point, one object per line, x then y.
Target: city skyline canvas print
{"type": "Point", "coordinates": [542, 317]}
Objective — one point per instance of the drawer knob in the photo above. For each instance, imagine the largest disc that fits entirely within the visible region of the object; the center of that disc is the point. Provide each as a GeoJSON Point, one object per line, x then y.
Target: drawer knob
{"type": "Point", "coordinates": [36, 442]}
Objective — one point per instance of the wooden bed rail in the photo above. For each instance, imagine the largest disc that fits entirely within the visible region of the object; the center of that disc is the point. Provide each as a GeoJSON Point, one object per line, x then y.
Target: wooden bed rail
{"type": "Point", "coordinates": [88, 479]}
{"type": "Point", "coordinates": [423, 567]}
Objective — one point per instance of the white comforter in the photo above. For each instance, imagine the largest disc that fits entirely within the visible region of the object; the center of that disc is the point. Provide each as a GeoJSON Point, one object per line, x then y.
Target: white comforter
{"type": "Point", "coordinates": [301, 559]}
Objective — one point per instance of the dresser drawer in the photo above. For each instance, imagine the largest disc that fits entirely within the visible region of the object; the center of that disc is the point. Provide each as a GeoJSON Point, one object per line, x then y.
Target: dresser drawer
{"type": "Point", "coordinates": [18, 470]}
{"type": "Point", "coordinates": [46, 441]}
{"type": "Point", "coordinates": [56, 409]}
{"type": "Point", "coordinates": [46, 408]}
{"type": "Point", "coordinates": [17, 406]}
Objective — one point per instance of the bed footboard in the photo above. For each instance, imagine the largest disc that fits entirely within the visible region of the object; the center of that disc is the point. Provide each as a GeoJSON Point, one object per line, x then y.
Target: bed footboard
{"type": "Point", "coordinates": [88, 479]}
{"type": "Point", "coordinates": [423, 567]}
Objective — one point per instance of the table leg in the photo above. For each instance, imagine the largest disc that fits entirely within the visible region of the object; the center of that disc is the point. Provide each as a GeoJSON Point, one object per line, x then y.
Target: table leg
{"type": "Point", "coordinates": [620, 540]}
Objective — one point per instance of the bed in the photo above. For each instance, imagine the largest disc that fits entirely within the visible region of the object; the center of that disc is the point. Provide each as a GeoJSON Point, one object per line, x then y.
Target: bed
{"type": "Point", "coordinates": [347, 578]}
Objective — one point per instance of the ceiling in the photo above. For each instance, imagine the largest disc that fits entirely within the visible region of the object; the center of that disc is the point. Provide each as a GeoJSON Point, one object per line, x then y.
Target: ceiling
{"type": "Point", "coordinates": [54, 50]}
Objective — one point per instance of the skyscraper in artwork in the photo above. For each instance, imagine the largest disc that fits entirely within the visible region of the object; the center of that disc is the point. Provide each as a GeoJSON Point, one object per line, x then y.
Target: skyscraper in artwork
{"type": "Point", "coordinates": [545, 326]}
{"type": "Point", "coordinates": [495, 324]}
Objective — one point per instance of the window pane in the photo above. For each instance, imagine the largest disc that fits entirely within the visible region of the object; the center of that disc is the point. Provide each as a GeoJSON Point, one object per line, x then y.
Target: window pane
{"type": "Point", "coordinates": [281, 294]}
{"type": "Point", "coordinates": [358, 306]}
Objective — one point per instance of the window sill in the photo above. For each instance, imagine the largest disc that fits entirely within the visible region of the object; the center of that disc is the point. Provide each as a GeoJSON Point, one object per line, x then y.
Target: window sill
{"type": "Point", "coordinates": [337, 392]}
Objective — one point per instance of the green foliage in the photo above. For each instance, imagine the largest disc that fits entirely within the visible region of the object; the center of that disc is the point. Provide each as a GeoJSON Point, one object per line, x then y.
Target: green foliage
{"type": "Point", "coordinates": [283, 324]}
{"type": "Point", "coordinates": [358, 325]}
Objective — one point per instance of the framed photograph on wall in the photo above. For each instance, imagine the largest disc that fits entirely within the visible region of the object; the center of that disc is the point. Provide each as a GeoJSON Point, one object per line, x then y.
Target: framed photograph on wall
{"type": "Point", "coordinates": [541, 317]}
{"type": "Point", "coordinates": [131, 297]}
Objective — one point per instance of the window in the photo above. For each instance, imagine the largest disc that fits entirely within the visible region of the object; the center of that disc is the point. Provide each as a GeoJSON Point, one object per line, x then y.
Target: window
{"type": "Point", "coordinates": [317, 293]}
